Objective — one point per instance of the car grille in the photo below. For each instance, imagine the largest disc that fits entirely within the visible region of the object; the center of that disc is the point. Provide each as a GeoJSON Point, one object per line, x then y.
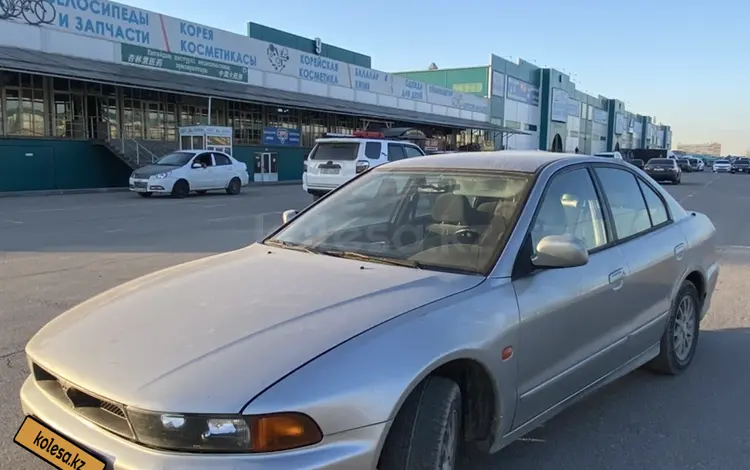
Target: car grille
{"type": "Point", "coordinates": [140, 184]}
{"type": "Point", "coordinates": [102, 412]}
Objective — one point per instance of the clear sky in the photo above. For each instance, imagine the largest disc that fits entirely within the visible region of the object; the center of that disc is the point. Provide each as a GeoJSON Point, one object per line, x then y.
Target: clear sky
{"type": "Point", "coordinates": [685, 62]}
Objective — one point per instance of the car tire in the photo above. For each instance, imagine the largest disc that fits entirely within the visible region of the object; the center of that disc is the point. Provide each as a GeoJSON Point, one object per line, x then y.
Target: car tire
{"type": "Point", "coordinates": [674, 359]}
{"type": "Point", "coordinates": [181, 189]}
{"type": "Point", "coordinates": [145, 194]}
{"type": "Point", "coordinates": [426, 434]}
{"type": "Point", "coordinates": [234, 187]}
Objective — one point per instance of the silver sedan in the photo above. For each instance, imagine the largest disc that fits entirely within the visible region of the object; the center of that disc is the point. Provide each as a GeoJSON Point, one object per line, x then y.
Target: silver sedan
{"type": "Point", "coordinates": [428, 308]}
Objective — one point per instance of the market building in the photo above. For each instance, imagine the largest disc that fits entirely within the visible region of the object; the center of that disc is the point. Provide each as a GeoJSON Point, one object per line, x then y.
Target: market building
{"type": "Point", "coordinates": [91, 88]}
{"type": "Point", "coordinates": [545, 103]}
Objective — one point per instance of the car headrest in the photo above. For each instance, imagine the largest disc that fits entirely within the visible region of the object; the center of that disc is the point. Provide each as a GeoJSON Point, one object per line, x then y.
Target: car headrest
{"type": "Point", "coordinates": [450, 208]}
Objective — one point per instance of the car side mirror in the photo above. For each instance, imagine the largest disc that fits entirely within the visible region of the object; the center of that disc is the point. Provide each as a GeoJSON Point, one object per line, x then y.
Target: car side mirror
{"type": "Point", "coordinates": [560, 251]}
{"type": "Point", "coordinates": [288, 215]}
{"type": "Point", "coordinates": [196, 165]}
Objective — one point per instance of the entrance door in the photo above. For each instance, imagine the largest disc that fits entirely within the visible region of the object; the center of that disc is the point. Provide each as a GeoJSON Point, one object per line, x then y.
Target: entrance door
{"type": "Point", "coordinates": [266, 167]}
{"type": "Point", "coordinates": [557, 145]}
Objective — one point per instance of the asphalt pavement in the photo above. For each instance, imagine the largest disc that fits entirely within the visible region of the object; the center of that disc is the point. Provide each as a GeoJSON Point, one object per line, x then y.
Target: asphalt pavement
{"type": "Point", "coordinates": [56, 251]}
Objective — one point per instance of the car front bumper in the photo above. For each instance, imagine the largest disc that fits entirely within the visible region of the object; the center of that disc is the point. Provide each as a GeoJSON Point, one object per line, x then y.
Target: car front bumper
{"type": "Point", "coordinates": [151, 185]}
{"type": "Point", "coordinates": [354, 449]}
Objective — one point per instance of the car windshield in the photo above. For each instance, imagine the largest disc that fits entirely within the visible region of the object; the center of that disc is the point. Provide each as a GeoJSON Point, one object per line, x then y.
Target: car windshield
{"type": "Point", "coordinates": [335, 151]}
{"type": "Point", "coordinates": [455, 221]}
{"type": "Point", "coordinates": [743, 161]}
{"type": "Point", "coordinates": [721, 161]}
{"type": "Point", "coordinates": [175, 159]}
{"type": "Point", "coordinates": [660, 161]}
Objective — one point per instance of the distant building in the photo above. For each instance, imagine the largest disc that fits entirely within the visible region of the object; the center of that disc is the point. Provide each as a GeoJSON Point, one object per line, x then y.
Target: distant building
{"type": "Point", "coordinates": [711, 148]}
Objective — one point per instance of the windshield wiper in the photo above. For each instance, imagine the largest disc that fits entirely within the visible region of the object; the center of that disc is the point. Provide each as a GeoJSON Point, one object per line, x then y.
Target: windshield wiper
{"type": "Point", "coordinates": [373, 259]}
{"type": "Point", "coordinates": [289, 246]}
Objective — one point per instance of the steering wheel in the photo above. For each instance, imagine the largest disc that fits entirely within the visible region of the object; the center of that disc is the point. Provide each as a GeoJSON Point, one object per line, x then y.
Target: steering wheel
{"type": "Point", "coordinates": [467, 236]}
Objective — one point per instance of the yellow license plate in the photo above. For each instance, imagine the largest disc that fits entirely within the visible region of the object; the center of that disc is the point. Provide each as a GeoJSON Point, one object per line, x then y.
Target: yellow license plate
{"type": "Point", "coordinates": [54, 448]}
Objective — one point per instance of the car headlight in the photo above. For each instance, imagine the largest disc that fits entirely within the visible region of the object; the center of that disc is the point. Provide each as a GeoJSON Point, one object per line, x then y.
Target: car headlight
{"type": "Point", "coordinates": [224, 433]}
{"type": "Point", "coordinates": [160, 176]}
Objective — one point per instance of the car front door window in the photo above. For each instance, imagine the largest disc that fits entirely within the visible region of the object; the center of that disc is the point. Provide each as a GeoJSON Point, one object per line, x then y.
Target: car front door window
{"type": "Point", "coordinates": [571, 206]}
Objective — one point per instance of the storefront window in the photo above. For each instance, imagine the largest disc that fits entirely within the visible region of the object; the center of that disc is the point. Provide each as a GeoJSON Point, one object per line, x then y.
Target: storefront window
{"type": "Point", "coordinates": [132, 119]}
{"type": "Point", "coordinates": [282, 117]}
{"type": "Point", "coordinates": [313, 126]}
{"type": "Point", "coordinates": [246, 121]}
{"type": "Point", "coordinates": [25, 109]}
{"type": "Point", "coordinates": [342, 124]}
{"type": "Point", "coordinates": [154, 121]}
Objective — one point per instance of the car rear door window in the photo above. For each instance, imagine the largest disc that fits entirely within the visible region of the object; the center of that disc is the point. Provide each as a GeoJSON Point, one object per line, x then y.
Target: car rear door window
{"type": "Point", "coordinates": [412, 152]}
{"type": "Point", "coordinates": [629, 211]}
{"type": "Point", "coordinates": [656, 207]}
{"type": "Point", "coordinates": [221, 159]}
{"type": "Point", "coordinates": [372, 150]}
{"type": "Point", "coordinates": [396, 152]}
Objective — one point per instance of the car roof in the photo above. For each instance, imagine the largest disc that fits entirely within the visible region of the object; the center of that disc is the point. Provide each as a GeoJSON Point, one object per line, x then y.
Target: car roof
{"type": "Point", "coordinates": [525, 161]}
{"type": "Point", "coordinates": [362, 139]}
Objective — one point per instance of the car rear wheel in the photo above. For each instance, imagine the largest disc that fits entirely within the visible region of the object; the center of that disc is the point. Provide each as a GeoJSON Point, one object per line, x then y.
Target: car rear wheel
{"type": "Point", "coordinates": [145, 194]}
{"type": "Point", "coordinates": [680, 339]}
{"type": "Point", "coordinates": [234, 187]}
{"type": "Point", "coordinates": [180, 189]}
{"type": "Point", "coordinates": [427, 430]}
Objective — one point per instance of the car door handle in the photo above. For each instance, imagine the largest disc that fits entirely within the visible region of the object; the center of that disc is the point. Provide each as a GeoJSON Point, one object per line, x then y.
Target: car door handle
{"type": "Point", "coordinates": [679, 251]}
{"type": "Point", "coordinates": [617, 278]}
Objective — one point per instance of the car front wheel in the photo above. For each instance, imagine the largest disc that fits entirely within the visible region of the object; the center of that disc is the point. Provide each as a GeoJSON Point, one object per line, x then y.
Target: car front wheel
{"type": "Point", "coordinates": [680, 339]}
{"type": "Point", "coordinates": [427, 430]}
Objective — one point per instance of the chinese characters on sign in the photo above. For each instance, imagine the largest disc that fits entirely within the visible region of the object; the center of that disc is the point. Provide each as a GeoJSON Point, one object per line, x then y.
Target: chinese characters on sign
{"type": "Point", "coordinates": [144, 56]}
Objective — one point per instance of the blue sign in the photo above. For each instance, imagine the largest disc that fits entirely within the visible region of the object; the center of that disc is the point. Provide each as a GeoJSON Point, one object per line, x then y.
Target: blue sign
{"type": "Point", "coordinates": [281, 136]}
{"type": "Point", "coordinates": [521, 91]}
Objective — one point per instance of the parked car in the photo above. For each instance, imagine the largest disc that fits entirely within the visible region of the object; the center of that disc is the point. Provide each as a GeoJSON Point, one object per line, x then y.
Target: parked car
{"type": "Point", "coordinates": [335, 159]}
{"type": "Point", "coordinates": [741, 165]}
{"type": "Point", "coordinates": [722, 166]}
{"type": "Point", "coordinates": [184, 171]}
{"type": "Point", "coordinates": [615, 155]}
{"type": "Point", "coordinates": [684, 164]}
{"type": "Point", "coordinates": [444, 315]}
{"type": "Point", "coordinates": [637, 162]}
{"type": "Point", "coordinates": [696, 164]}
{"type": "Point", "coordinates": [664, 169]}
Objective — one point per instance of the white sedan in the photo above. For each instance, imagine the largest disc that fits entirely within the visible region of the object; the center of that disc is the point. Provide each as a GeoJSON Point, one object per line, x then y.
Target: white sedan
{"type": "Point", "coordinates": [181, 172]}
{"type": "Point", "coordinates": [722, 165]}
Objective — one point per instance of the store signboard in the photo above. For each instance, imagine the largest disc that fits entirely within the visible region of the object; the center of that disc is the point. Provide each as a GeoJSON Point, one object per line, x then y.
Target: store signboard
{"type": "Point", "coordinates": [518, 90]}
{"type": "Point", "coordinates": [241, 56]}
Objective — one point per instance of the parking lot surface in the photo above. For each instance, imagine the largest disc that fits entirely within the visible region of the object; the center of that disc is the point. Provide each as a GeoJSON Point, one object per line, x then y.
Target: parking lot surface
{"type": "Point", "coordinates": [57, 251]}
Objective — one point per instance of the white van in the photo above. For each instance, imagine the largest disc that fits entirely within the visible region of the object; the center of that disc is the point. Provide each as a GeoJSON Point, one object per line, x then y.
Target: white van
{"type": "Point", "coordinates": [336, 158]}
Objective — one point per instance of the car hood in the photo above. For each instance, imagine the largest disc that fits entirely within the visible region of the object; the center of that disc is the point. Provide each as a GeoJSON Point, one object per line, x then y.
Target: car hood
{"type": "Point", "coordinates": [150, 170]}
{"type": "Point", "coordinates": [209, 335]}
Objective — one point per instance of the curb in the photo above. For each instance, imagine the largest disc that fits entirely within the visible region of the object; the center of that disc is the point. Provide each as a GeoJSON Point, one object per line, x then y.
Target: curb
{"type": "Point", "coordinates": [64, 192]}
{"type": "Point", "coordinates": [61, 192]}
